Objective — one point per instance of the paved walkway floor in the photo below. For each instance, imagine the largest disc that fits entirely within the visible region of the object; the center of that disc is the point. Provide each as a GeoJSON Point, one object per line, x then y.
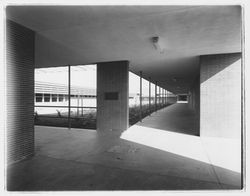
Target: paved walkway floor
{"type": "Point", "coordinates": [175, 118]}
{"type": "Point", "coordinates": [148, 156]}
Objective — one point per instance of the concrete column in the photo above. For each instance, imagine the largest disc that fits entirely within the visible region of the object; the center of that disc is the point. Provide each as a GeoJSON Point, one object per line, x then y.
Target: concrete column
{"type": "Point", "coordinates": [69, 95]}
{"type": "Point", "coordinates": [167, 97]}
{"type": "Point", "coordinates": [194, 96]}
{"type": "Point", "coordinates": [78, 101]}
{"type": "Point", "coordinates": [82, 104]}
{"type": "Point", "coordinates": [140, 96]}
{"type": "Point", "coordinates": [220, 95]}
{"type": "Point", "coordinates": [19, 91]}
{"type": "Point", "coordinates": [164, 96]}
{"type": "Point", "coordinates": [112, 96]}
{"type": "Point", "coordinates": [155, 95]}
{"type": "Point", "coordinates": [160, 96]}
{"type": "Point", "coordinates": [149, 95]}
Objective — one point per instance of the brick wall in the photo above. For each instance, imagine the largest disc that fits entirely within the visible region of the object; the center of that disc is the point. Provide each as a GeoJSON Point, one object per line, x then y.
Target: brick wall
{"type": "Point", "coordinates": [112, 114]}
{"type": "Point", "coordinates": [220, 95]}
{"type": "Point", "coordinates": [20, 91]}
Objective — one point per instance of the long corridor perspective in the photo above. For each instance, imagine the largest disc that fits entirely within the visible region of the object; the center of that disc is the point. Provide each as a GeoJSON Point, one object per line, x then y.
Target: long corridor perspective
{"type": "Point", "coordinates": [163, 152]}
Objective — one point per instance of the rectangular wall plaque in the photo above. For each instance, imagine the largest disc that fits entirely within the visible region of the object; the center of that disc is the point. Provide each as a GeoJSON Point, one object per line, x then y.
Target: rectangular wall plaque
{"type": "Point", "coordinates": [111, 95]}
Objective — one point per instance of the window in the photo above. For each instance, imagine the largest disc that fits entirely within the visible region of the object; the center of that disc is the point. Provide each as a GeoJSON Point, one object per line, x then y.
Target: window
{"type": "Point", "coordinates": [60, 98]}
{"type": "Point", "coordinates": [39, 97]}
{"type": "Point", "coordinates": [54, 97]}
{"type": "Point", "coordinates": [46, 97]}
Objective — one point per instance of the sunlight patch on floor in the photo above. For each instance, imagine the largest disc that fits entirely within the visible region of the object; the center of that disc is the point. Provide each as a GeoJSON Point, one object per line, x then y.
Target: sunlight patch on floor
{"type": "Point", "coordinates": [177, 143]}
{"type": "Point", "coordinates": [210, 151]}
{"type": "Point", "coordinates": [223, 152]}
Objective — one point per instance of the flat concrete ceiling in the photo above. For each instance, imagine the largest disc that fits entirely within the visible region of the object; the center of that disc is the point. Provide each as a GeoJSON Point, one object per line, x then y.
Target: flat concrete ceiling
{"type": "Point", "coordinates": [90, 34]}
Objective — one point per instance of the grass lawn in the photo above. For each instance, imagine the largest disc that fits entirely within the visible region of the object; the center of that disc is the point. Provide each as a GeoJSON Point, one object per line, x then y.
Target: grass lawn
{"type": "Point", "coordinates": [88, 120]}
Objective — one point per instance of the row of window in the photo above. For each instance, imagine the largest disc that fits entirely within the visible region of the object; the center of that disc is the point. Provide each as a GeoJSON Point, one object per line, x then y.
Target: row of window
{"type": "Point", "coordinates": [46, 97]}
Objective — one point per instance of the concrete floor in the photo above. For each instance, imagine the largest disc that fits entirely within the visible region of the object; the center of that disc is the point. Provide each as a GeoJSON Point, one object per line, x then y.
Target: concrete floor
{"type": "Point", "coordinates": [160, 153]}
{"type": "Point", "coordinates": [176, 118]}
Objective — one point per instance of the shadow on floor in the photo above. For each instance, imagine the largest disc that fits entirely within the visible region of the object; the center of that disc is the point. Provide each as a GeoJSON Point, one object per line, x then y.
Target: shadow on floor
{"type": "Point", "coordinates": [43, 173]}
{"type": "Point", "coordinates": [77, 160]}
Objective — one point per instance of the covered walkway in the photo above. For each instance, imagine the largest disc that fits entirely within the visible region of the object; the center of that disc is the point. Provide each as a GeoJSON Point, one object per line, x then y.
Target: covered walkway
{"type": "Point", "coordinates": [160, 153]}
{"type": "Point", "coordinates": [177, 118]}
{"type": "Point", "coordinates": [181, 50]}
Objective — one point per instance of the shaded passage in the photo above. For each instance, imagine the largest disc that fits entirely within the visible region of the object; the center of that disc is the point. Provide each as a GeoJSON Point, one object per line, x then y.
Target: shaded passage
{"type": "Point", "coordinates": [176, 118]}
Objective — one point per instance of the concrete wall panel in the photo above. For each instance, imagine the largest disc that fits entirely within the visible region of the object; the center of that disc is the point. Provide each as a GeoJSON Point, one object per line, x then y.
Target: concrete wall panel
{"type": "Point", "coordinates": [220, 95]}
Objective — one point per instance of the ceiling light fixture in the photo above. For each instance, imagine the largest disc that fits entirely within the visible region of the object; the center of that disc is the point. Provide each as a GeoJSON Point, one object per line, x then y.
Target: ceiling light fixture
{"type": "Point", "coordinates": [157, 44]}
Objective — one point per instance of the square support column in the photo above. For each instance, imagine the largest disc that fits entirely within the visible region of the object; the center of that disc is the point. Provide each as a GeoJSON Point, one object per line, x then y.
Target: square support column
{"type": "Point", "coordinates": [155, 96]}
{"type": "Point", "coordinates": [149, 95]}
{"type": "Point", "coordinates": [140, 96]}
{"type": "Point", "coordinates": [220, 95]}
{"type": "Point", "coordinates": [112, 96]}
{"type": "Point", "coordinates": [20, 91]}
{"type": "Point", "coordinates": [160, 96]}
